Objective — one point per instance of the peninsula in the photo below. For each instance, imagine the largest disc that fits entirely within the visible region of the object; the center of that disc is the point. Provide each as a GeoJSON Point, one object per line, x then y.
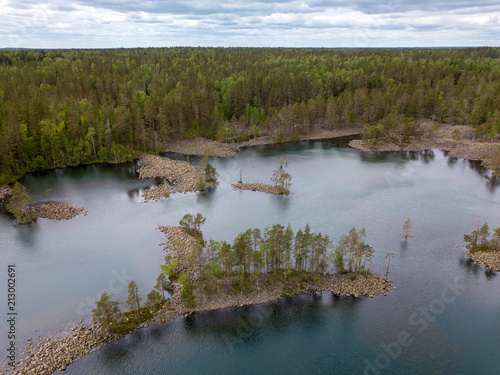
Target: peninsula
{"type": "Point", "coordinates": [259, 267]}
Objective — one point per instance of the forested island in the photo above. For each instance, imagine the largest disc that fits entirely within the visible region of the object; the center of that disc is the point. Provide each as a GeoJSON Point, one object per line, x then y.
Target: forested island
{"type": "Point", "coordinates": [68, 107]}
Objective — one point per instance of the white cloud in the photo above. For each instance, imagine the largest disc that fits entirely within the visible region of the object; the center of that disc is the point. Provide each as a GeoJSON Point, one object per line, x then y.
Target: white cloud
{"type": "Point", "coordinates": [334, 23]}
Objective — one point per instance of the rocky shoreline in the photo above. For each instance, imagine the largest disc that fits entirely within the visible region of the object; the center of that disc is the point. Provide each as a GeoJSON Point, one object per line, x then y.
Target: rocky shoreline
{"type": "Point", "coordinates": [201, 146]}
{"type": "Point", "coordinates": [336, 285]}
{"type": "Point", "coordinates": [57, 210]}
{"type": "Point", "coordinates": [178, 244]}
{"type": "Point", "coordinates": [257, 186]}
{"type": "Point", "coordinates": [488, 259]}
{"type": "Point", "coordinates": [5, 191]}
{"type": "Point", "coordinates": [54, 353]}
{"type": "Point", "coordinates": [181, 175]}
{"type": "Point", "coordinates": [463, 148]}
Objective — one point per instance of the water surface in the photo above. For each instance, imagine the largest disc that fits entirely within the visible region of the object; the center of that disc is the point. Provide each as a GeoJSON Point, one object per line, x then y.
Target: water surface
{"type": "Point", "coordinates": [63, 266]}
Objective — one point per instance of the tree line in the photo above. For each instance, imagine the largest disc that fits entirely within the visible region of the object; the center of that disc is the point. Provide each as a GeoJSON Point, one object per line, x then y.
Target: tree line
{"type": "Point", "coordinates": [275, 253]}
{"type": "Point", "coordinates": [68, 107]}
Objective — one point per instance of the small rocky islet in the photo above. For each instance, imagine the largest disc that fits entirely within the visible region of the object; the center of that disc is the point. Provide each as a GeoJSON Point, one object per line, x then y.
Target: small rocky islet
{"type": "Point", "coordinates": [181, 176]}
{"type": "Point", "coordinates": [57, 210]}
{"type": "Point", "coordinates": [257, 186]}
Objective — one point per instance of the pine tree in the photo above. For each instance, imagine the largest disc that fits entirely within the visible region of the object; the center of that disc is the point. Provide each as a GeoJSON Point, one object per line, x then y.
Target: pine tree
{"type": "Point", "coordinates": [298, 250]}
{"type": "Point", "coordinates": [154, 297]}
{"type": "Point", "coordinates": [133, 300]}
{"type": "Point", "coordinates": [484, 232]}
{"type": "Point", "coordinates": [161, 284]}
{"type": "Point", "coordinates": [106, 309]}
{"type": "Point", "coordinates": [406, 228]}
{"type": "Point", "coordinates": [472, 238]}
{"type": "Point", "coordinates": [200, 184]}
{"type": "Point", "coordinates": [198, 221]}
{"type": "Point", "coordinates": [256, 258]}
{"type": "Point", "coordinates": [19, 205]}
{"type": "Point", "coordinates": [210, 173]}
{"type": "Point", "coordinates": [495, 241]}
{"type": "Point", "coordinates": [187, 291]}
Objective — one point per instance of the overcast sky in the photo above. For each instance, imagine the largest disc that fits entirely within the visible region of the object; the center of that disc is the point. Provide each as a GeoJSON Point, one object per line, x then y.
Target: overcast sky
{"type": "Point", "coordinates": [253, 23]}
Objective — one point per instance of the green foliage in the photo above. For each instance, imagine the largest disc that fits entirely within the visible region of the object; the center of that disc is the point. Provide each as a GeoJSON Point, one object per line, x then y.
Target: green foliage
{"type": "Point", "coordinates": [352, 251]}
{"type": "Point", "coordinates": [281, 178]}
{"type": "Point", "coordinates": [154, 298]}
{"type": "Point", "coordinates": [171, 270]}
{"type": "Point", "coordinates": [338, 261]}
{"type": "Point", "coordinates": [131, 320]}
{"type": "Point", "coordinates": [106, 310]}
{"type": "Point", "coordinates": [209, 277]}
{"type": "Point", "coordinates": [279, 254]}
{"type": "Point", "coordinates": [187, 291]}
{"type": "Point", "coordinates": [494, 163]}
{"type": "Point", "coordinates": [162, 284]}
{"type": "Point", "coordinates": [289, 292]}
{"type": "Point", "coordinates": [83, 106]}
{"type": "Point", "coordinates": [259, 259]}
{"type": "Point", "coordinates": [192, 224]}
{"type": "Point", "coordinates": [393, 127]}
{"type": "Point", "coordinates": [19, 205]}
{"type": "Point", "coordinates": [210, 173]}
{"type": "Point", "coordinates": [478, 239]}
{"type": "Point", "coordinates": [200, 184]}
{"type": "Point", "coordinates": [133, 299]}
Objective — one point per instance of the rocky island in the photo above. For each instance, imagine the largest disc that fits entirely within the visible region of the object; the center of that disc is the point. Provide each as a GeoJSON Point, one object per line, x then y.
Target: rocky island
{"type": "Point", "coordinates": [179, 177]}
{"type": "Point", "coordinates": [57, 210]}
{"type": "Point", "coordinates": [481, 249]}
{"type": "Point", "coordinates": [258, 186]}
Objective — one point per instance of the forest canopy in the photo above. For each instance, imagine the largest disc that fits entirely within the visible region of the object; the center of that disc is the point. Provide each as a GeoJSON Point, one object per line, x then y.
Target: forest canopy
{"type": "Point", "coordinates": [68, 107]}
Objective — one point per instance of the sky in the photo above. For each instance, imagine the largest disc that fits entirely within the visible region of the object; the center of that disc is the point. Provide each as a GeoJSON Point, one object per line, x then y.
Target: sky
{"type": "Point", "coordinates": [249, 23]}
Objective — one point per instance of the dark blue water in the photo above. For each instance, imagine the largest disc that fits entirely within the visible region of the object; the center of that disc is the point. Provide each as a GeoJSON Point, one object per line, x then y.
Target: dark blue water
{"type": "Point", "coordinates": [444, 317]}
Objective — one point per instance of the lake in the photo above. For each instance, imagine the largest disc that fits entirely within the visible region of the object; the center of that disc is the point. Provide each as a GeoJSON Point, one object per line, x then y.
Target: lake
{"type": "Point", "coordinates": [444, 317]}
